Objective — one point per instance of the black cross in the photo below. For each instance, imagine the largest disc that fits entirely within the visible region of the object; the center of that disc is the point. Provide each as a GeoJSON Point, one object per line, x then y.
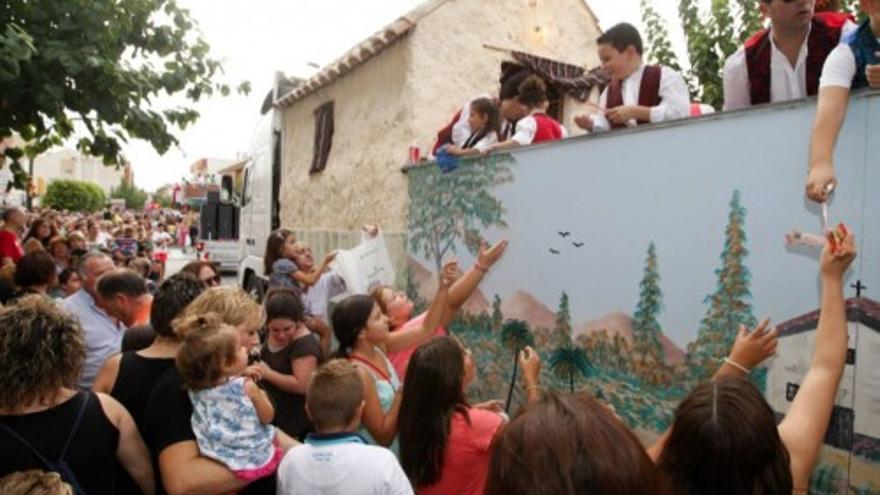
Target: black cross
{"type": "Point", "coordinates": [859, 288]}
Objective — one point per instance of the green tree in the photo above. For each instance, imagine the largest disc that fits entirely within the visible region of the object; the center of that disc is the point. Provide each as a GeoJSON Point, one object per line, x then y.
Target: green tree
{"type": "Point", "coordinates": [647, 331]}
{"type": "Point", "coordinates": [447, 208]}
{"type": "Point", "coordinates": [74, 195]}
{"type": "Point", "coordinates": [515, 335]}
{"type": "Point", "coordinates": [728, 306]}
{"type": "Point", "coordinates": [497, 316]}
{"type": "Point", "coordinates": [750, 19]}
{"type": "Point", "coordinates": [101, 63]}
{"type": "Point", "coordinates": [162, 197]}
{"type": "Point", "coordinates": [570, 362]}
{"type": "Point", "coordinates": [659, 48]}
{"type": "Point", "coordinates": [135, 198]}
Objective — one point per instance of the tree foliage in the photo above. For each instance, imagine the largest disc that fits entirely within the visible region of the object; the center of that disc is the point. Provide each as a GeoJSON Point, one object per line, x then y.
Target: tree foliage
{"type": "Point", "coordinates": [450, 208]}
{"type": "Point", "coordinates": [100, 63]}
{"type": "Point", "coordinates": [569, 362]}
{"type": "Point", "coordinates": [135, 198]}
{"type": "Point", "coordinates": [646, 328]}
{"type": "Point", "coordinates": [74, 195]}
{"type": "Point", "coordinates": [728, 306]}
{"type": "Point", "coordinates": [658, 45]}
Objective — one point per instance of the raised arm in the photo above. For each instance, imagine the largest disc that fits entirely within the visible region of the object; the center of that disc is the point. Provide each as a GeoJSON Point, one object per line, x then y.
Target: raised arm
{"type": "Point", "coordinates": [464, 287]}
{"type": "Point", "coordinates": [749, 350]}
{"type": "Point", "coordinates": [830, 114]}
{"type": "Point", "coordinates": [311, 278]}
{"type": "Point", "coordinates": [530, 363]}
{"type": "Point", "coordinates": [804, 426]}
{"type": "Point", "coordinates": [381, 425]}
{"type": "Point", "coordinates": [408, 337]}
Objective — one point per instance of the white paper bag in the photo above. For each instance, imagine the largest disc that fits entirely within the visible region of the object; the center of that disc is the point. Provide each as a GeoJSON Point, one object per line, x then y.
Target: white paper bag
{"type": "Point", "coordinates": [365, 266]}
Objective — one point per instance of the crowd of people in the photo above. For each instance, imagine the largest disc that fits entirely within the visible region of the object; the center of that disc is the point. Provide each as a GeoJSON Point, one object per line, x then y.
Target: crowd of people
{"type": "Point", "coordinates": [116, 379]}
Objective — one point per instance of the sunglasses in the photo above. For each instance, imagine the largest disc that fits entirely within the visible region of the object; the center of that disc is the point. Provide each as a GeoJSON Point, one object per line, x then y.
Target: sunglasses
{"type": "Point", "coordinates": [213, 281]}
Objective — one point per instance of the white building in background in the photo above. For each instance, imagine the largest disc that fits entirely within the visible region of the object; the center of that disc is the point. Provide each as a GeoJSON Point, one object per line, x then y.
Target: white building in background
{"type": "Point", "coordinates": [72, 165]}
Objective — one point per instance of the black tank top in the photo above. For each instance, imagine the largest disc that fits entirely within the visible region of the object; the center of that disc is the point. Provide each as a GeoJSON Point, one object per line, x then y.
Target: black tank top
{"type": "Point", "coordinates": [136, 378]}
{"type": "Point", "coordinates": [90, 455]}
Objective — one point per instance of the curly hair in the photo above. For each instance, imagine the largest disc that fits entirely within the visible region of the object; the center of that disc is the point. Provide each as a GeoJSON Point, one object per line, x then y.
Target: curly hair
{"type": "Point", "coordinates": [42, 350]}
{"type": "Point", "coordinates": [208, 345]}
{"type": "Point", "coordinates": [34, 482]}
{"type": "Point", "coordinates": [230, 303]}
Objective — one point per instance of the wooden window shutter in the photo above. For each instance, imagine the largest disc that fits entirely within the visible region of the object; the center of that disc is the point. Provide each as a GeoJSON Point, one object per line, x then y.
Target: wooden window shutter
{"type": "Point", "coordinates": [323, 137]}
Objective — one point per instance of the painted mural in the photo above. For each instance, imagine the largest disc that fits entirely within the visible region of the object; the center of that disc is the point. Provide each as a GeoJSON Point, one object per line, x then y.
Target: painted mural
{"type": "Point", "coordinates": [634, 258]}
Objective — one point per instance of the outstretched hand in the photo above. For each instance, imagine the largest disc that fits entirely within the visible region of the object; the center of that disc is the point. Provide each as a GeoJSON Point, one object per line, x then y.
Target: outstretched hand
{"type": "Point", "coordinates": [752, 348]}
{"type": "Point", "coordinates": [449, 274]}
{"type": "Point", "coordinates": [838, 253]}
{"type": "Point", "coordinates": [530, 363]}
{"type": "Point", "coordinates": [488, 256]}
{"type": "Point", "coordinates": [821, 180]}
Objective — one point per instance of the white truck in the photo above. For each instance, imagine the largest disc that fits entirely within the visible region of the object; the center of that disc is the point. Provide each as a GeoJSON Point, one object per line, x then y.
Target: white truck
{"type": "Point", "coordinates": [259, 213]}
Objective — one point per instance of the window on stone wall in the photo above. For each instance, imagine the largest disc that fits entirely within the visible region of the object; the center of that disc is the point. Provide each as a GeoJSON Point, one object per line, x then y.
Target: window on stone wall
{"type": "Point", "coordinates": [323, 137]}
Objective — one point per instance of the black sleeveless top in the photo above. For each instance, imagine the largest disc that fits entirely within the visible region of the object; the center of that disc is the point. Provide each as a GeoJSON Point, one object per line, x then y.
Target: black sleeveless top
{"type": "Point", "coordinates": [91, 451]}
{"type": "Point", "coordinates": [136, 378]}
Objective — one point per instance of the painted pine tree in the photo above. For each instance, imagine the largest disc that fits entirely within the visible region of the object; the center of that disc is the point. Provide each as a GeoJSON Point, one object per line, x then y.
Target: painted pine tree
{"type": "Point", "coordinates": [728, 307]}
{"type": "Point", "coordinates": [646, 328]}
{"type": "Point", "coordinates": [562, 328]}
{"type": "Point", "coordinates": [497, 316]}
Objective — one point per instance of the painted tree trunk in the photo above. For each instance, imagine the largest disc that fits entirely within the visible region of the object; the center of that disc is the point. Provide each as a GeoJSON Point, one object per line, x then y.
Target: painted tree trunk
{"type": "Point", "coordinates": [512, 382]}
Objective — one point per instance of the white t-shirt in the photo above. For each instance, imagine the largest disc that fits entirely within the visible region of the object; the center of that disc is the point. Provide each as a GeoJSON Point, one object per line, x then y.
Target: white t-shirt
{"type": "Point", "coordinates": [786, 82]}
{"type": "Point", "coordinates": [341, 465]}
{"type": "Point", "coordinates": [840, 68]}
{"type": "Point", "coordinates": [675, 99]}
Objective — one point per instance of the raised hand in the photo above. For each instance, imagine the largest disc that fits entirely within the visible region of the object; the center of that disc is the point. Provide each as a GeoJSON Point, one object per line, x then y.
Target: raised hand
{"type": "Point", "coordinates": [488, 256]}
{"type": "Point", "coordinates": [821, 181]}
{"type": "Point", "coordinates": [838, 254]}
{"type": "Point", "coordinates": [530, 363]}
{"type": "Point", "coordinates": [449, 274]}
{"type": "Point", "coordinates": [752, 348]}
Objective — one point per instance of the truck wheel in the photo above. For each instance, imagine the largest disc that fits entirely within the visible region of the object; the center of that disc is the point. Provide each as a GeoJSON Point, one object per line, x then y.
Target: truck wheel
{"type": "Point", "coordinates": [254, 288]}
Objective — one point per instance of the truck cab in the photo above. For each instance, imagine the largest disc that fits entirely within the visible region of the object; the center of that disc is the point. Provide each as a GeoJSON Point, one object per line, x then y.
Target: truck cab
{"type": "Point", "coordinates": [260, 205]}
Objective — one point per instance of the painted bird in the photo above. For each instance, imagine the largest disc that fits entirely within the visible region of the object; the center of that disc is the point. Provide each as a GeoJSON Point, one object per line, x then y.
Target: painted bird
{"type": "Point", "coordinates": [564, 234]}
{"type": "Point", "coordinates": [577, 244]}
{"type": "Point", "coordinates": [554, 251]}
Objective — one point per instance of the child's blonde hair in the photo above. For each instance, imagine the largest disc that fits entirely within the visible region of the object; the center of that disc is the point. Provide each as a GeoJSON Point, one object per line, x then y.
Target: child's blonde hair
{"type": "Point", "coordinates": [207, 346]}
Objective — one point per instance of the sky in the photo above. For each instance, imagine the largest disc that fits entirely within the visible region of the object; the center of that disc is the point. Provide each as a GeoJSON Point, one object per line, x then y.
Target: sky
{"type": "Point", "coordinates": [256, 38]}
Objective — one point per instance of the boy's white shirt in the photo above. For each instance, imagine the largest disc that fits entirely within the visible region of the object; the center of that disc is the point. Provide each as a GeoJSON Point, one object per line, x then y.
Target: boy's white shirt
{"type": "Point", "coordinates": [674, 104]}
{"type": "Point", "coordinates": [341, 468]}
{"type": "Point", "coordinates": [527, 127]}
{"type": "Point", "coordinates": [786, 82]}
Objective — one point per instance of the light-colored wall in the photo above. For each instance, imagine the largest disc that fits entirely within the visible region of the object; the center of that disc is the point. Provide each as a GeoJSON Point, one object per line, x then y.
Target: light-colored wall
{"type": "Point", "coordinates": [362, 182]}
{"type": "Point", "coordinates": [448, 46]}
{"type": "Point", "coordinates": [403, 96]}
{"type": "Point", "coordinates": [69, 164]}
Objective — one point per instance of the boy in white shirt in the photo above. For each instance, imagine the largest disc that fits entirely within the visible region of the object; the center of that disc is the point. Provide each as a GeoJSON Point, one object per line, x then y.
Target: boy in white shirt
{"type": "Point", "coordinates": [336, 460]}
{"type": "Point", "coordinates": [854, 64]}
{"type": "Point", "coordinates": [638, 93]}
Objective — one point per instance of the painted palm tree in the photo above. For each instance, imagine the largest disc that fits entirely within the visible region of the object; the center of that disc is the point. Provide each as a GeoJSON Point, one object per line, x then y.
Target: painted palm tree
{"type": "Point", "coordinates": [568, 362]}
{"type": "Point", "coordinates": [515, 335]}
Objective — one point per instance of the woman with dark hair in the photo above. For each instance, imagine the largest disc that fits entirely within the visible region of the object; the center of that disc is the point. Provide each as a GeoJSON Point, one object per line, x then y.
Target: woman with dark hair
{"type": "Point", "coordinates": [398, 307]}
{"type": "Point", "coordinates": [35, 274]}
{"type": "Point", "coordinates": [363, 333]}
{"type": "Point", "coordinates": [444, 442]}
{"type": "Point", "coordinates": [204, 271]}
{"type": "Point", "coordinates": [42, 230]}
{"type": "Point", "coordinates": [724, 438]}
{"type": "Point", "coordinates": [288, 357]}
{"type": "Point", "coordinates": [567, 445]}
{"type": "Point", "coordinates": [45, 422]}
